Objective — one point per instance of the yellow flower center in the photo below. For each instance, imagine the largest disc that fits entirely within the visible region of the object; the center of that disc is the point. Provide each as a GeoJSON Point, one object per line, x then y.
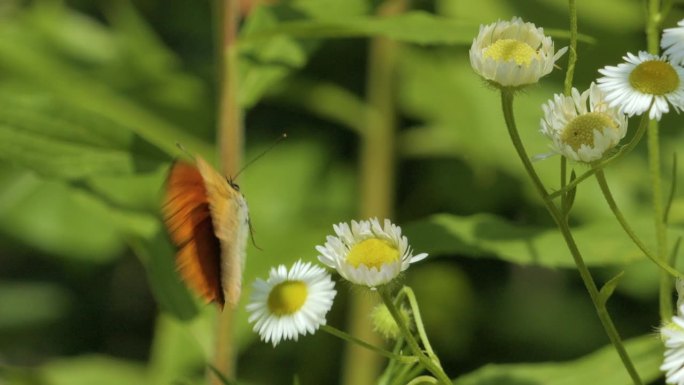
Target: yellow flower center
{"type": "Point", "coordinates": [511, 50]}
{"type": "Point", "coordinates": [372, 252]}
{"type": "Point", "coordinates": [654, 77]}
{"type": "Point", "coordinates": [287, 297]}
{"type": "Point", "coordinates": [580, 131]}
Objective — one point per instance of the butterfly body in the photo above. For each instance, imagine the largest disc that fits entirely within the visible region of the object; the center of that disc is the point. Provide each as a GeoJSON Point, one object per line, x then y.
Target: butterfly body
{"type": "Point", "coordinates": [208, 220]}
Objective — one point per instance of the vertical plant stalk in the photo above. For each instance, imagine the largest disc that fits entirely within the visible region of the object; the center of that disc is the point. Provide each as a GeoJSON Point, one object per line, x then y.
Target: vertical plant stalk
{"type": "Point", "coordinates": [230, 138]}
{"type": "Point", "coordinates": [654, 20]}
{"type": "Point", "coordinates": [561, 222]}
{"type": "Point", "coordinates": [377, 182]}
{"type": "Point", "coordinates": [567, 85]}
{"type": "Point", "coordinates": [658, 218]}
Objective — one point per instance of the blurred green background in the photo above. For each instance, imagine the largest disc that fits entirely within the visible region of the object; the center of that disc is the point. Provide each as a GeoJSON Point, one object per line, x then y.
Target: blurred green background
{"type": "Point", "coordinates": [94, 95]}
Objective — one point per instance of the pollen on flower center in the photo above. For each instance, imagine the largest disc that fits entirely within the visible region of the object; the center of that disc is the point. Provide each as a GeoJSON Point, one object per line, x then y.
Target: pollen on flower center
{"type": "Point", "coordinates": [654, 77]}
{"type": "Point", "coordinates": [372, 252]}
{"type": "Point", "coordinates": [287, 297]}
{"type": "Point", "coordinates": [511, 50]}
{"type": "Point", "coordinates": [580, 131]}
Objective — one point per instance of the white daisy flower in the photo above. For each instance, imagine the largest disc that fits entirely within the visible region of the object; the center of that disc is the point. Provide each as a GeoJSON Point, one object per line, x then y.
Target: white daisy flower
{"type": "Point", "coordinates": [673, 337]}
{"type": "Point", "coordinates": [643, 80]}
{"type": "Point", "coordinates": [367, 253]}
{"type": "Point", "coordinates": [582, 127]}
{"type": "Point", "coordinates": [513, 53]}
{"type": "Point", "coordinates": [290, 303]}
{"type": "Point", "coordinates": [672, 43]}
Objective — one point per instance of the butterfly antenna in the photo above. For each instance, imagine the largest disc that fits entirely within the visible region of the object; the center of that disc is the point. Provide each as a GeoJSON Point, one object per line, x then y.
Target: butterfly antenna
{"type": "Point", "coordinates": [280, 139]}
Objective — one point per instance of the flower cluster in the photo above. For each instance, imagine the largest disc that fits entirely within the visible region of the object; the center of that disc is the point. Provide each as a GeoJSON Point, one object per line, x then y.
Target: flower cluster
{"type": "Point", "coordinates": [295, 302]}
{"type": "Point", "coordinates": [583, 126]}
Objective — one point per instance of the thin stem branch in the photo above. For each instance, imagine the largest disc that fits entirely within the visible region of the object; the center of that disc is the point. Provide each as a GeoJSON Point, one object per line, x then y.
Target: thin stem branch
{"type": "Point", "coordinates": [604, 316]}
{"type": "Point", "coordinates": [605, 189]}
{"type": "Point", "coordinates": [349, 338]}
{"type": "Point", "coordinates": [411, 297]}
{"type": "Point", "coordinates": [430, 365]}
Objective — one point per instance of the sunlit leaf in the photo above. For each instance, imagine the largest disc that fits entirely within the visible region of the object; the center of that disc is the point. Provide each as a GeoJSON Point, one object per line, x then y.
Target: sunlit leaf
{"type": "Point", "coordinates": [94, 369]}
{"type": "Point", "coordinates": [159, 259]}
{"type": "Point", "coordinates": [601, 367]}
{"type": "Point", "coordinates": [489, 236]}
{"type": "Point", "coordinates": [411, 27]}
{"type": "Point", "coordinates": [21, 55]}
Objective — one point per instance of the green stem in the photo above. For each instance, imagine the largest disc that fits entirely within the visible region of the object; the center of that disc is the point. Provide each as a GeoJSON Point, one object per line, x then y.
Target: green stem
{"type": "Point", "coordinates": [230, 134]}
{"type": "Point", "coordinates": [658, 215]}
{"type": "Point", "coordinates": [567, 90]}
{"type": "Point", "coordinates": [572, 55]}
{"type": "Point", "coordinates": [431, 366]}
{"type": "Point", "coordinates": [604, 317]}
{"type": "Point", "coordinates": [423, 380]}
{"type": "Point", "coordinates": [655, 17]}
{"type": "Point", "coordinates": [624, 150]}
{"type": "Point", "coordinates": [349, 338]}
{"type": "Point", "coordinates": [601, 179]}
{"type": "Point", "coordinates": [408, 292]}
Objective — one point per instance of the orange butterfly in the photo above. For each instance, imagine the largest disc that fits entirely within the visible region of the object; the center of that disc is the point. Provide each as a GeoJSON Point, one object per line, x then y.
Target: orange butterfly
{"type": "Point", "coordinates": [207, 218]}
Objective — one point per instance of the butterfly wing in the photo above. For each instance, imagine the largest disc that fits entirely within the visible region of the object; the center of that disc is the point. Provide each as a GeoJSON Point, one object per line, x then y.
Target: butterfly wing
{"type": "Point", "coordinates": [231, 226]}
{"type": "Point", "coordinates": [187, 215]}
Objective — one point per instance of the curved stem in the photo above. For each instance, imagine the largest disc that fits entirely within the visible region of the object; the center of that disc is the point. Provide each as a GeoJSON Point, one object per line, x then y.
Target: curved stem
{"type": "Point", "coordinates": [605, 189]}
{"type": "Point", "coordinates": [408, 292]}
{"type": "Point", "coordinates": [349, 338]}
{"type": "Point", "coordinates": [604, 317]}
{"type": "Point", "coordinates": [624, 150]}
{"type": "Point", "coordinates": [572, 55]}
{"type": "Point", "coordinates": [422, 380]}
{"type": "Point", "coordinates": [427, 362]}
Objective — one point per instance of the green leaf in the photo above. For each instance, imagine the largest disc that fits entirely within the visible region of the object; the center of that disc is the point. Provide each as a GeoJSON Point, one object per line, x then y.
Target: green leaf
{"type": "Point", "coordinates": [602, 367]}
{"type": "Point", "coordinates": [609, 287]}
{"type": "Point", "coordinates": [53, 217]}
{"type": "Point", "coordinates": [264, 64]}
{"type": "Point", "coordinates": [60, 141]}
{"type": "Point", "coordinates": [94, 369]}
{"type": "Point", "coordinates": [570, 195]}
{"type": "Point", "coordinates": [325, 100]}
{"type": "Point", "coordinates": [23, 56]}
{"type": "Point", "coordinates": [411, 27]}
{"type": "Point", "coordinates": [489, 236]}
{"type": "Point", "coordinates": [171, 294]}
{"type": "Point", "coordinates": [49, 303]}
{"type": "Point", "coordinates": [176, 354]}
